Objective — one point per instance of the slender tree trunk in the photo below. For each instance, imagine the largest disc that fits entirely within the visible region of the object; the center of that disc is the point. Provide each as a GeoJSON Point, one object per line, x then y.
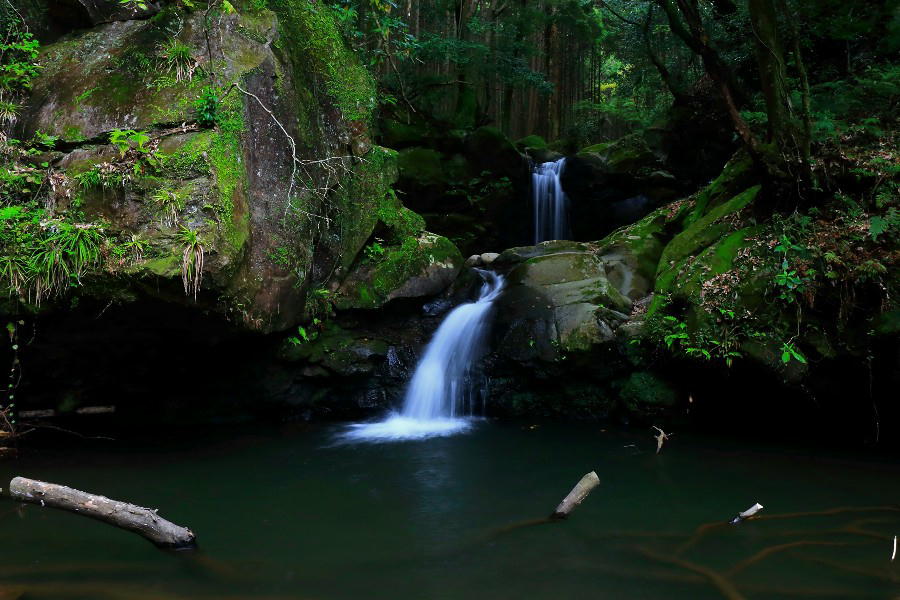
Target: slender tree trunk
{"type": "Point", "coordinates": [806, 116]}
{"type": "Point", "coordinates": [772, 71]}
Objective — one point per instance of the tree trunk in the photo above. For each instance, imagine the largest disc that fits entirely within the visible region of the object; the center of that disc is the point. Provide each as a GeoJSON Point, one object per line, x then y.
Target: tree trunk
{"type": "Point", "coordinates": [772, 72]}
{"type": "Point", "coordinates": [142, 521]}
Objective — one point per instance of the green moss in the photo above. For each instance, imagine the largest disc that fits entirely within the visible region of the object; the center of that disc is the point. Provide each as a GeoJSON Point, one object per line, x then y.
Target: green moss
{"type": "Point", "coordinates": [596, 148]}
{"type": "Point", "coordinates": [396, 266]}
{"type": "Point", "coordinates": [400, 135]}
{"type": "Point", "coordinates": [225, 156]}
{"type": "Point", "coordinates": [714, 260]}
{"type": "Point", "coordinates": [164, 266]}
{"type": "Point", "coordinates": [402, 221]}
{"type": "Point", "coordinates": [535, 142]}
{"type": "Point", "coordinates": [189, 158]}
{"type": "Point", "coordinates": [72, 133]}
{"type": "Point", "coordinates": [365, 199]}
{"type": "Point", "coordinates": [644, 240]}
{"type": "Point", "coordinates": [706, 230]}
{"type": "Point", "coordinates": [310, 35]}
{"type": "Point", "coordinates": [728, 182]}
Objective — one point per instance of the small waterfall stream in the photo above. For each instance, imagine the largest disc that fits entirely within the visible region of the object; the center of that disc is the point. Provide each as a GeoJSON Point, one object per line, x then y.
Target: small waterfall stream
{"type": "Point", "coordinates": [441, 396]}
{"type": "Point", "coordinates": [549, 202]}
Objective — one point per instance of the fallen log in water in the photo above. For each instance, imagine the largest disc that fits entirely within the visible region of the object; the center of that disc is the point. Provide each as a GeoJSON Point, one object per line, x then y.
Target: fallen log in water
{"type": "Point", "coordinates": [142, 521]}
{"type": "Point", "coordinates": [576, 496]}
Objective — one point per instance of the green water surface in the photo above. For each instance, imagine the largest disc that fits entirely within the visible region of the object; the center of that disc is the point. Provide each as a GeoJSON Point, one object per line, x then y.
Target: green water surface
{"type": "Point", "coordinates": [286, 513]}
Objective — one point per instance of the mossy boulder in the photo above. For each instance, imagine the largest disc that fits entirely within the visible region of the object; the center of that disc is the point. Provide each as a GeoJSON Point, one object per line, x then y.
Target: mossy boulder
{"type": "Point", "coordinates": [423, 167]}
{"type": "Point", "coordinates": [629, 155]}
{"type": "Point", "coordinates": [270, 226]}
{"type": "Point", "coordinates": [631, 254]}
{"type": "Point", "coordinates": [418, 267]}
{"type": "Point", "coordinates": [558, 300]}
{"type": "Point", "coordinates": [613, 184]}
{"type": "Point", "coordinates": [533, 142]}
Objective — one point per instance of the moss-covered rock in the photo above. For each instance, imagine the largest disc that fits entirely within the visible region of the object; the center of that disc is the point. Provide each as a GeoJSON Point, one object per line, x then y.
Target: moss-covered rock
{"type": "Point", "coordinates": [271, 228]}
{"type": "Point", "coordinates": [418, 267]}
{"type": "Point", "coordinates": [337, 350]}
{"type": "Point", "coordinates": [615, 183]}
{"type": "Point", "coordinates": [534, 142]}
{"type": "Point", "coordinates": [558, 299]}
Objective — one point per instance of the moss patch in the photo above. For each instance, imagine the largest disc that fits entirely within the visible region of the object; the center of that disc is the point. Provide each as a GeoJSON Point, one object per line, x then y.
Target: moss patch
{"type": "Point", "coordinates": [310, 34]}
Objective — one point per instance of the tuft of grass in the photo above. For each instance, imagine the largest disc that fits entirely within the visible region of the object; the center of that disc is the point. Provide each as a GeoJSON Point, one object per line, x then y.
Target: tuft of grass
{"type": "Point", "coordinates": [177, 59]}
{"type": "Point", "coordinates": [64, 256]}
{"type": "Point", "coordinates": [169, 204]}
{"type": "Point", "coordinates": [191, 262]}
{"type": "Point", "coordinates": [8, 112]}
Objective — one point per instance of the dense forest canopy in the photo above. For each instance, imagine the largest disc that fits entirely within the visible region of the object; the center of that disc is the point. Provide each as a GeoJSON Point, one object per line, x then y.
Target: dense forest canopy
{"type": "Point", "coordinates": [589, 69]}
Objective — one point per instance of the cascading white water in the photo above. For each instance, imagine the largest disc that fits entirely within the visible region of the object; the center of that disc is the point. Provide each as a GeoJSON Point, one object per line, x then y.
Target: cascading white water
{"type": "Point", "coordinates": [549, 202]}
{"type": "Point", "coordinates": [441, 396]}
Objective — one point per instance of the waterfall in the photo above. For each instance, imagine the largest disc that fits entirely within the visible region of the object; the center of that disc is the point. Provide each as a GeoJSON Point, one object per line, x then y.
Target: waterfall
{"type": "Point", "coordinates": [550, 205]}
{"type": "Point", "coordinates": [441, 396]}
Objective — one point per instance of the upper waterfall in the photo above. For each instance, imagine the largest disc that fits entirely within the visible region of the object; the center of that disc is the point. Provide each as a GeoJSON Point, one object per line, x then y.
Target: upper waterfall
{"type": "Point", "coordinates": [549, 202]}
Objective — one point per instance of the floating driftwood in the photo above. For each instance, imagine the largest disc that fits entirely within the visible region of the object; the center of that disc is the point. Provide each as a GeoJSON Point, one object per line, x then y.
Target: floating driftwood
{"type": "Point", "coordinates": [142, 521]}
{"type": "Point", "coordinates": [661, 438]}
{"type": "Point", "coordinates": [750, 512]}
{"type": "Point", "coordinates": [576, 496]}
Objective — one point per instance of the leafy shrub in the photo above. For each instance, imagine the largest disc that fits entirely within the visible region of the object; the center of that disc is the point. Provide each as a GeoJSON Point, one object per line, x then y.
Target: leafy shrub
{"type": "Point", "coordinates": [207, 107]}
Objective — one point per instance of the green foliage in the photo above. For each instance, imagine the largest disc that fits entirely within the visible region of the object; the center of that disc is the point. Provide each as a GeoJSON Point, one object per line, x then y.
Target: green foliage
{"type": "Point", "coordinates": [374, 251]}
{"type": "Point", "coordinates": [90, 178]}
{"type": "Point", "coordinates": [168, 203]}
{"type": "Point", "coordinates": [887, 225]}
{"type": "Point", "coordinates": [702, 343]}
{"type": "Point", "coordinates": [311, 29]}
{"type": "Point", "coordinates": [8, 111]}
{"type": "Point", "coordinates": [134, 4]}
{"type": "Point", "coordinates": [305, 336]}
{"type": "Point", "coordinates": [128, 139]}
{"type": "Point", "coordinates": [42, 139]}
{"type": "Point", "coordinates": [862, 103]}
{"type": "Point", "coordinates": [790, 352]}
{"type": "Point", "coordinates": [207, 106]}
{"type": "Point", "coordinates": [44, 257]}
{"type": "Point", "coordinates": [18, 52]}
